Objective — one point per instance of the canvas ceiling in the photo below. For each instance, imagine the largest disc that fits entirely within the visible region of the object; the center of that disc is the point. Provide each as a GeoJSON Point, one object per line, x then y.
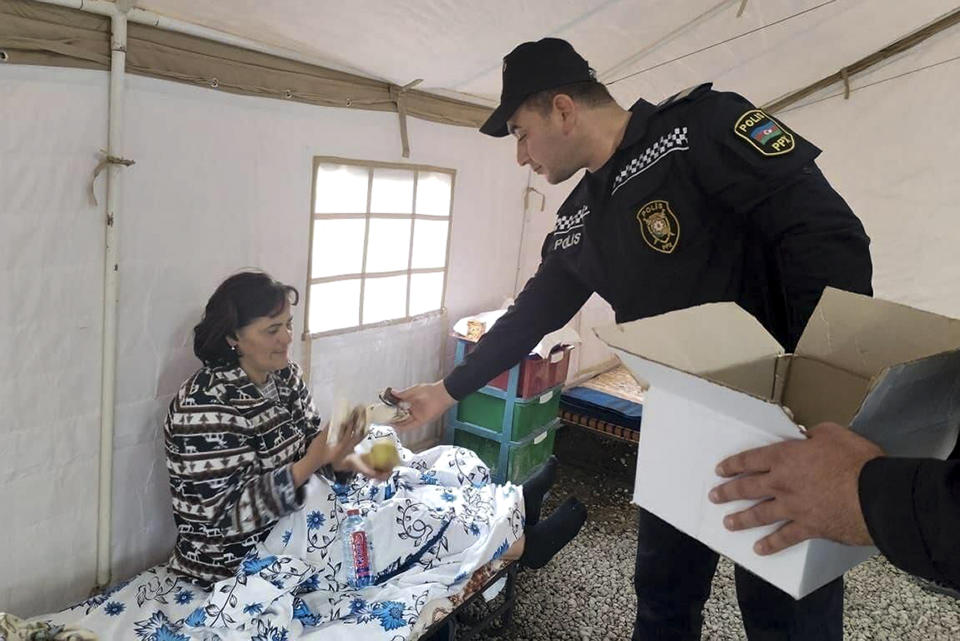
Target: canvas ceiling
{"type": "Point", "coordinates": [456, 46]}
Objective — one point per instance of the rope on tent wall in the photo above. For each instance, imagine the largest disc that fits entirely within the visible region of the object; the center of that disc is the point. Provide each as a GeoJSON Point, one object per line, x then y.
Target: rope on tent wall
{"type": "Point", "coordinates": [743, 6]}
{"type": "Point", "coordinates": [624, 64]}
{"type": "Point", "coordinates": [399, 96]}
{"type": "Point", "coordinates": [906, 42]}
{"type": "Point", "coordinates": [874, 83]}
{"type": "Point", "coordinates": [722, 42]}
{"type": "Point", "coordinates": [526, 198]}
{"type": "Point", "coordinates": [107, 160]}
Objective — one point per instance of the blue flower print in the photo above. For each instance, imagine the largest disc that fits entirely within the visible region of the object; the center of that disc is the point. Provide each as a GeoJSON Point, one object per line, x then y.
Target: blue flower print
{"type": "Point", "coordinates": [300, 610]}
{"type": "Point", "coordinates": [113, 608]}
{"type": "Point", "coordinates": [310, 585]}
{"type": "Point", "coordinates": [357, 605]}
{"type": "Point", "coordinates": [303, 614]}
{"type": "Point", "coordinates": [474, 529]}
{"type": "Point", "coordinates": [252, 565]}
{"type": "Point", "coordinates": [158, 628]}
{"type": "Point", "coordinates": [374, 490]}
{"type": "Point", "coordinates": [286, 536]}
{"type": "Point", "coordinates": [500, 550]}
{"type": "Point", "coordinates": [390, 614]}
{"type": "Point", "coordinates": [315, 519]}
{"type": "Point", "coordinates": [253, 608]}
{"type": "Point", "coordinates": [429, 477]}
{"type": "Point", "coordinates": [196, 618]}
{"type": "Point", "coordinates": [267, 632]}
{"type": "Point", "coordinates": [184, 597]}
{"type": "Point", "coordinates": [448, 496]}
{"type": "Point", "coordinates": [167, 633]}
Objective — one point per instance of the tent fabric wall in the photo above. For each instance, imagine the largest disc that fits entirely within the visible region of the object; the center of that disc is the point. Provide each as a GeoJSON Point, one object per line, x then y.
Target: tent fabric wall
{"type": "Point", "coordinates": [51, 264]}
{"type": "Point", "coordinates": [221, 182]}
{"type": "Point", "coordinates": [34, 33]}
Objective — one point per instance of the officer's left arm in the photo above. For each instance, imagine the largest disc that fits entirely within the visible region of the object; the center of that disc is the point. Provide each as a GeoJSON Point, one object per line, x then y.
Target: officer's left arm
{"type": "Point", "coordinates": [763, 175]}
{"type": "Point", "coordinates": [912, 510]}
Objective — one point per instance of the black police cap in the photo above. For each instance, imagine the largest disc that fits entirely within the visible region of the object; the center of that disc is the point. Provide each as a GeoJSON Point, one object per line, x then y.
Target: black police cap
{"type": "Point", "coordinates": [531, 67]}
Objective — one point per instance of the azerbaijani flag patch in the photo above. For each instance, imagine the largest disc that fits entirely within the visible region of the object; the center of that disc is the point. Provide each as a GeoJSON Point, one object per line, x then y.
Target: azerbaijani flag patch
{"type": "Point", "coordinates": [764, 134]}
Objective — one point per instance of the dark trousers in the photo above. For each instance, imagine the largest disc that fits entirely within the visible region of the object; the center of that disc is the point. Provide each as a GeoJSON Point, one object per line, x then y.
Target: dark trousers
{"type": "Point", "coordinates": [673, 578]}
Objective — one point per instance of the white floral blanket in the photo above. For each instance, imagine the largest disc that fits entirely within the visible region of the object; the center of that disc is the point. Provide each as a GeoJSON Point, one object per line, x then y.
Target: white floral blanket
{"type": "Point", "coordinates": [432, 524]}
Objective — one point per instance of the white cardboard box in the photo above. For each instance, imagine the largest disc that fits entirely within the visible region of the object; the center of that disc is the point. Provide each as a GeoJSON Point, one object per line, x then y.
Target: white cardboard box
{"type": "Point", "coordinates": [719, 384]}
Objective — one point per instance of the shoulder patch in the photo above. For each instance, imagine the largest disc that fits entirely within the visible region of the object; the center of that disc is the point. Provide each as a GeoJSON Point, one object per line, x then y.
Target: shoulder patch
{"type": "Point", "coordinates": [687, 94]}
{"type": "Point", "coordinates": [764, 134]}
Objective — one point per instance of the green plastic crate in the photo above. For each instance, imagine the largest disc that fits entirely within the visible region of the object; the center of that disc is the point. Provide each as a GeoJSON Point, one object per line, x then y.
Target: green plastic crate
{"type": "Point", "coordinates": [528, 416]}
{"type": "Point", "coordinates": [524, 457]}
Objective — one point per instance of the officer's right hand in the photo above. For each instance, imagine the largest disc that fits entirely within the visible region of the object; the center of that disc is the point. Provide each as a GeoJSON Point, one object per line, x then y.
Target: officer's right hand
{"type": "Point", "coordinates": [424, 402]}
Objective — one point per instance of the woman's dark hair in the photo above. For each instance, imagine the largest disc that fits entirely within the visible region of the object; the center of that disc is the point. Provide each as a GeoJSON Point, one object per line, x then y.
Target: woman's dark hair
{"type": "Point", "coordinates": [238, 301]}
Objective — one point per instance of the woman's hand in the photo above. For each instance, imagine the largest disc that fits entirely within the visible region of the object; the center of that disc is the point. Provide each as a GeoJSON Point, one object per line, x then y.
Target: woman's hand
{"type": "Point", "coordinates": [356, 463]}
{"type": "Point", "coordinates": [320, 452]}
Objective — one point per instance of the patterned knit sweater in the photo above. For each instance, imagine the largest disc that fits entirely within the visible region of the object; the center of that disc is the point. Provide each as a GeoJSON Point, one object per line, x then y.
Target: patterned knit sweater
{"type": "Point", "coordinates": [229, 454]}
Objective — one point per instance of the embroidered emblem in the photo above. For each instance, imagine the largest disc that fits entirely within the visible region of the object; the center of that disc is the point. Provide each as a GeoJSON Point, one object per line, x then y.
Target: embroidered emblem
{"type": "Point", "coordinates": [676, 140]}
{"type": "Point", "coordinates": [764, 134]}
{"type": "Point", "coordinates": [659, 226]}
{"type": "Point", "coordinates": [562, 236]}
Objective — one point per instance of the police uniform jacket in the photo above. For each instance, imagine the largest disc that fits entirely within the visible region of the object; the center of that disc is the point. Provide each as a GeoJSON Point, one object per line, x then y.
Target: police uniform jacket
{"type": "Point", "coordinates": [912, 510]}
{"type": "Point", "coordinates": [706, 199]}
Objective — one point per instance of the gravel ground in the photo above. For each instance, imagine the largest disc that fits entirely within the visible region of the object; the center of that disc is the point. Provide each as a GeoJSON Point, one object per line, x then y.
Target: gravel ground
{"type": "Point", "coordinates": [586, 592]}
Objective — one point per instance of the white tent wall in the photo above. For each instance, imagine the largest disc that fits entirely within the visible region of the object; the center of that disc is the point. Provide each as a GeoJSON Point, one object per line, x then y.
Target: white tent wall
{"type": "Point", "coordinates": [892, 152]}
{"type": "Point", "coordinates": [221, 182]}
{"type": "Point", "coordinates": [52, 122]}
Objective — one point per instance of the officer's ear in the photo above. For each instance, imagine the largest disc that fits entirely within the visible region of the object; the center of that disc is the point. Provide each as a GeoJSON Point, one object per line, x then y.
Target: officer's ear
{"type": "Point", "coordinates": [565, 109]}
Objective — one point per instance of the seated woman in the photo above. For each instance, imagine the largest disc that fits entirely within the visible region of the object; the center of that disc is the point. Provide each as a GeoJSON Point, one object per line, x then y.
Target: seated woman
{"type": "Point", "coordinates": [259, 496]}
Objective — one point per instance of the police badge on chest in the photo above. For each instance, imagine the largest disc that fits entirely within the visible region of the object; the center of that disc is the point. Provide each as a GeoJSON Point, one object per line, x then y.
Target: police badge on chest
{"type": "Point", "coordinates": [659, 226]}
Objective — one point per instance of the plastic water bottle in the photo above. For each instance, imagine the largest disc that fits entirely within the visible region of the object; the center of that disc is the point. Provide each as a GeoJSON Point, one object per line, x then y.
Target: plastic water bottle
{"type": "Point", "coordinates": [357, 551]}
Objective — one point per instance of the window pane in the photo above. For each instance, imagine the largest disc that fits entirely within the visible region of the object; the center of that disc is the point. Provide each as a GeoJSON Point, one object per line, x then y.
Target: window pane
{"type": "Point", "coordinates": [388, 247]}
{"type": "Point", "coordinates": [429, 243]}
{"type": "Point", "coordinates": [426, 292]}
{"type": "Point", "coordinates": [392, 191]}
{"type": "Point", "coordinates": [341, 189]}
{"type": "Point", "coordinates": [337, 247]}
{"type": "Point", "coordinates": [334, 305]}
{"type": "Point", "coordinates": [433, 193]}
{"type": "Point", "coordinates": [384, 299]}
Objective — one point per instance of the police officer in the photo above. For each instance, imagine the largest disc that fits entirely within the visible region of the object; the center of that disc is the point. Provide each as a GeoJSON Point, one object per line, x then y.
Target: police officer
{"type": "Point", "coordinates": [699, 199]}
